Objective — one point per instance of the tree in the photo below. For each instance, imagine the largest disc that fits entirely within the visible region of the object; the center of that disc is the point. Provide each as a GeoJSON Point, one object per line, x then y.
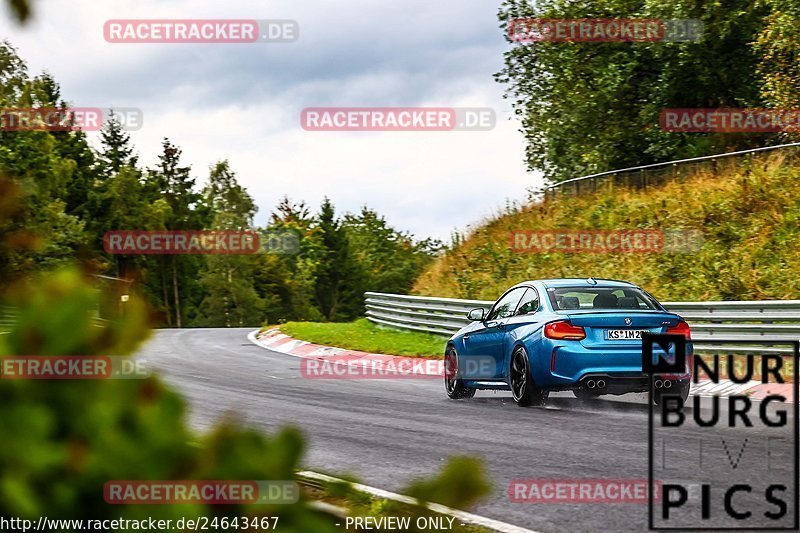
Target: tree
{"type": "Point", "coordinates": [588, 107]}
{"type": "Point", "coordinates": [778, 45]}
{"type": "Point", "coordinates": [13, 74]}
{"type": "Point", "coordinates": [40, 168]}
{"type": "Point", "coordinates": [71, 146]}
{"type": "Point", "coordinates": [291, 214]}
{"type": "Point", "coordinates": [228, 280]}
{"type": "Point", "coordinates": [60, 196]}
{"type": "Point", "coordinates": [128, 208]}
{"type": "Point", "coordinates": [116, 149]}
{"type": "Point", "coordinates": [391, 260]}
{"type": "Point", "coordinates": [174, 183]}
{"type": "Point", "coordinates": [287, 282]}
{"type": "Point", "coordinates": [339, 285]}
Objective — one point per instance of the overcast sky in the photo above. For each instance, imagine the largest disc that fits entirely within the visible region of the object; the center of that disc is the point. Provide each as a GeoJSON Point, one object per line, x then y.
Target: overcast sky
{"type": "Point", "coordinates": [242, 102]}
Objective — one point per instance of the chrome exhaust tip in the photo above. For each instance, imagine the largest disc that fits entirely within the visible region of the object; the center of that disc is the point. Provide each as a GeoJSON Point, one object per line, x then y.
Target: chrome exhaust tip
{"type": "Point", "coordinates": [601, 384]}
{"type": "Point", "coordinates": [659, 383]}
{"type": "Point", "coordinates": [590, 384]}
{"type": "Point", "coordinates": [667, 384]}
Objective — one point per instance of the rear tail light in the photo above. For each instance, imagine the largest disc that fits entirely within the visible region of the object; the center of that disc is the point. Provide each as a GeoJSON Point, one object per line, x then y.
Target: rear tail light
{"type": "Point", "coordinates": [681, 329]}
{"type": "Point", "coordinates": [563, 330]}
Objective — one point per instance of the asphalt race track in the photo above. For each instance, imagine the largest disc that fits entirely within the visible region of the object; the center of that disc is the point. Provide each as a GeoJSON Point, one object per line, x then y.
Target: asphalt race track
{"type": "Point", "coordinates": [387, 432]}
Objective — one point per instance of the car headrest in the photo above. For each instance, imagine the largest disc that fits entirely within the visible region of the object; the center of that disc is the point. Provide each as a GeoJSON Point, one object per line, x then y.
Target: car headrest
{"type": "Point", "coordinates": [604, 300]}
{"type": "Point", "coordinates": [628, 302]}
{"type": "Point", "coordinates": [570, 302]}
{"type": "Point", "coordinates": [527, 307]}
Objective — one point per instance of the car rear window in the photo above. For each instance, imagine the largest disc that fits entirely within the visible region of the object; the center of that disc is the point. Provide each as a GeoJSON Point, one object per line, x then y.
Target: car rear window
{"type": "Point", "coordinates": [604, 298]}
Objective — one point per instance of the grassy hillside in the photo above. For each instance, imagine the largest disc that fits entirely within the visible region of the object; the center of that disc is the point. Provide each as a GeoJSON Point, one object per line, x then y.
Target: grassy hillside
{"type": "Point", "coordinates": [748, 212]}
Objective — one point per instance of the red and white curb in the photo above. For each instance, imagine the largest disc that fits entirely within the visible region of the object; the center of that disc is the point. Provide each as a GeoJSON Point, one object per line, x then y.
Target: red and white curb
{"type": "Point", "coordinates": [755, 390]}
{"type": "Point", "coordinates": [381, 365]}
{"type": "Point", "coordinates": [366, 365]}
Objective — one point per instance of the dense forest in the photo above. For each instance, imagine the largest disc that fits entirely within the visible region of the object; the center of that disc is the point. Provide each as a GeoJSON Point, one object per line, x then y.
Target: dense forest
{"type": "Point", "coordinates": [62, 195]}
{"type": "Point", "coordinates": [589, 107]}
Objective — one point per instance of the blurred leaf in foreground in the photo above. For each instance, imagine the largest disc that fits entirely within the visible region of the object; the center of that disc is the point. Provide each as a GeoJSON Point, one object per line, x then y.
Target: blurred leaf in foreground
{"type": "Point", "coordinates": [461, 483]}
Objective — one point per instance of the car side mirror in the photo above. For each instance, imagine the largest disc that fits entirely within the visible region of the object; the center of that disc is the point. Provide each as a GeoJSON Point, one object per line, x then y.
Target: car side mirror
{"type": "Point", "coordinates": [476, 314]}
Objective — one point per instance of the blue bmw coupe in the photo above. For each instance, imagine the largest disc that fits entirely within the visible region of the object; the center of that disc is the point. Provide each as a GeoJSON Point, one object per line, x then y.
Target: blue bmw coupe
{"type": "Point", "coordinates": [582, 335]}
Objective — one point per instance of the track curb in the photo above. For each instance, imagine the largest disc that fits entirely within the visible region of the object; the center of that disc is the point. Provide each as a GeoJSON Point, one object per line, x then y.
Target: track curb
{"type": "Point", "coordinates": [370, 365]}
{"type": "Point", "coordinates": [273, 339]}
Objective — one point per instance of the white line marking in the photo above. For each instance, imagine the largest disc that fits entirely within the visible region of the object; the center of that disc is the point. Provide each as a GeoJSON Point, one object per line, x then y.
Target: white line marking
{"type": "Point", "coordinates": [466, 518]}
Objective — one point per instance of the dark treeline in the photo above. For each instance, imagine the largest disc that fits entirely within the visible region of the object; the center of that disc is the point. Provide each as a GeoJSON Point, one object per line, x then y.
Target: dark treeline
{"type": "Point", "coordinates": [589, 107]}
{"type": "Point", "coordinates": [63, 195]}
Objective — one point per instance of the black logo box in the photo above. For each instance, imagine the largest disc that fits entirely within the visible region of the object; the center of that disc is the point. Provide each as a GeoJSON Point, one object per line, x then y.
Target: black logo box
{"type": "Point", "coordinates": [662, 366]}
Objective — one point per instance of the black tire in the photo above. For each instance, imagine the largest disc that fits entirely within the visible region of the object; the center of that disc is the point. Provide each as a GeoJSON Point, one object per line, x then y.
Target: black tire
{"type": "Point", "coordinates": [682, 391]}
{"type": "Point", "coordinates": [585, 395]}
{"type": "Point", "coordinates": [452, 384]}
{"type": "Point", "coordinates": [523, 388]}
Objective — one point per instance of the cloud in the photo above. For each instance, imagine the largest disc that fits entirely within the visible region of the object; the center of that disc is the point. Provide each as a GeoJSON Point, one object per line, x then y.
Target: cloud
{"type": "Point", "coordinates": [242, 102]}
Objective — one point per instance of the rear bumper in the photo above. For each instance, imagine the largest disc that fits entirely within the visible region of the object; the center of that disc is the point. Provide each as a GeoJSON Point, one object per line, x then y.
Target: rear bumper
{"type": "Point", "coordinates": [613, 384]}
{"type": "Point", "coordinates": [604, 383]}
{"type": "Point", "coordinates": [573, 366]}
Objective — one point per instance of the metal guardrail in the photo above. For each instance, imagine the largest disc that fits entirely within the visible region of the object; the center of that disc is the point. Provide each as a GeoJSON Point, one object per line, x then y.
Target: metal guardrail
{"type": "Point", "coordinates": [652, 174]}
{"type": "Point", "coordinates": [758, 321]}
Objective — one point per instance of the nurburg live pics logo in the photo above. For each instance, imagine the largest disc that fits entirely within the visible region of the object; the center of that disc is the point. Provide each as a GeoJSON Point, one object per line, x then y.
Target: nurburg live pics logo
{"type": "Point", "coordinates": [724, 471]}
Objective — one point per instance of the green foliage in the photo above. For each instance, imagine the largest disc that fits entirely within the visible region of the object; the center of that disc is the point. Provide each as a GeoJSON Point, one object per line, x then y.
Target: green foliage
{"type": "Point", "coordinates": [748, 213]}
{"type": "Point", "coordinates": [64, 439]}
{"type": "Point", "coordinates": [338, 288]}
{"type": "Point", "coordinates": [460, 484]}
{"type": "Point", "coordinates": [390, 260]}
{"type": "Point", "coordinates": [363, 335]}
{"type": "Point", "coordinates": [230, 297]}
{"type": "Point", "coordinates": [116, 151]}
{"type": "Point", "coordinates": [47, 185]}
{"type": "Point", "coordinates": [66, 196]}
{"type": "Point", "coordinates": [591, 107]}
{"type": "Point", "coordinates": [71, 437]}
{"type": "Point", "coordinates": [339, 258]}
{"type": "Point", "coordinates": [778, 44]}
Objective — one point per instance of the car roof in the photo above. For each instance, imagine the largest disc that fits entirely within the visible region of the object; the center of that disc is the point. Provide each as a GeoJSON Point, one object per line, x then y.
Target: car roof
{"type": "Point", "coordinates": [578, 282]}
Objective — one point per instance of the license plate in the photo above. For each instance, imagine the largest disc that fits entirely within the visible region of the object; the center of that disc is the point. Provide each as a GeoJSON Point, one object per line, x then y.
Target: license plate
{"type": "Point", "coordinates": [624, 334]}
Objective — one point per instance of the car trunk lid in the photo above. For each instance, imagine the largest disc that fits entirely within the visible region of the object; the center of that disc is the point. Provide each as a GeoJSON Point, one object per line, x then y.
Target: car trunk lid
{"type": "Point", "coordinates": [616, 327]}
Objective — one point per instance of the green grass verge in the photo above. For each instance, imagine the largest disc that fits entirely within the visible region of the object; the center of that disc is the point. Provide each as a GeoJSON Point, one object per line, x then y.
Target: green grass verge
{"type": "Point", "coordinates": [365, 336]}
